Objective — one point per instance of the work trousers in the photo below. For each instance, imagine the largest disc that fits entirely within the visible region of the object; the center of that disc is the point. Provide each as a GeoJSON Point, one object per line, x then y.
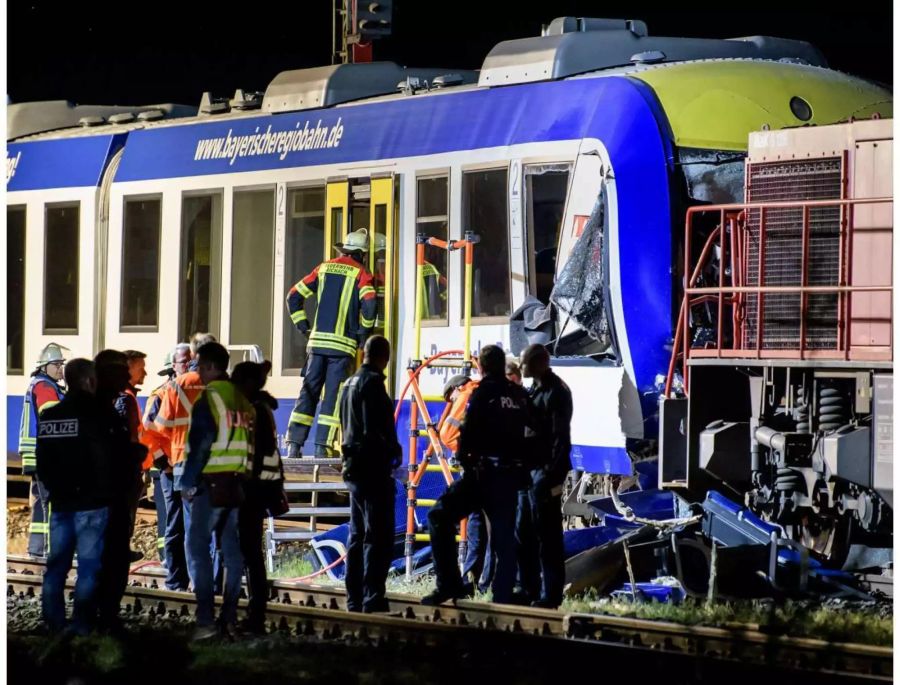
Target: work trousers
{"type": "Point", "coordinates": [177, 576]}
{"type": "Point", "coordinates": [39, 530]}
{"type": "Point", "coordinates": [204, 519]}
{"type": "Point", "coordinates": [370, 543]}
{"type": "Point", "coordinates": [159, 501]}
{"type": "Point", "coordinates": [116, 560]}
{"type": "Point", "coordinates": [491, 489]}
{"type": "Point", "coordinates": [539, 535]}
{"type": "Point", "coordinates": [73, 532]}
{"type": "Point", "coordinates": [250, 532]}
{"type": "Point", "coordinates": [321, 371]}
{"type": "Point", "coordinates": [478, 565]}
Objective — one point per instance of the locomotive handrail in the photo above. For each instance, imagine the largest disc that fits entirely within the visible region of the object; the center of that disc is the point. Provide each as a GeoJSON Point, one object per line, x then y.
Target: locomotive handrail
{"type": "Point", "coordinates": [732, 256]}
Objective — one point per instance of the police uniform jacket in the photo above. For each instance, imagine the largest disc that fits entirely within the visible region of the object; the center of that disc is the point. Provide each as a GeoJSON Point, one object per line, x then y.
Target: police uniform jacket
{"type": "Point", "coordinates": [76, 446]}
{"type": "Point", "coordinates": [494, 428]}
{"type": "Point", "coordinates": [548, 436]}
{"type": "Point", "coordinates": [370, 448]}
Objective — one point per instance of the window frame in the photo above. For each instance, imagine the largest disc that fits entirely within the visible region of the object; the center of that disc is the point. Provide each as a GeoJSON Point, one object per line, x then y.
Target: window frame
{"type": "Point", "coordinates": [474, 169]}
{"type": "Point", "coordinates": [443, 322]}
{"type": "Point", "coordinates": [322, 185]}
{"type": "Point", "coordinates": [139, 328]}
{"type": "Point", "coordinates": [54, 330]}
{"type": "Point", "coordinates": [235, 192]}
{"type": "Point", "coordinates": [23, 208]}
{"type": "Point", "coordinates": [216, 248]}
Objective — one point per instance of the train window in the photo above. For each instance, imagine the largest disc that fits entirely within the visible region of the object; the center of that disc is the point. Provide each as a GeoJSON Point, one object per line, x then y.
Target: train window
{"type": "Point", "coordinates": [433, 220]}
{"type": "Point", "coordinates": [140, 264]}
{"type": "Point", "coordinates": [15, 290]}
{"type": "Point", "coordinates": [303, 245]}
{"type": "Point", "coordinates": [545, 200]}
{"type": "Point", "coordinates": [200, 277]}
{"type": "Point", "coordinates": [252, 261]}
{"type": "Point", "coordinates": [484, 208]}
{"type": "Point", "coordinates": [61, 269]}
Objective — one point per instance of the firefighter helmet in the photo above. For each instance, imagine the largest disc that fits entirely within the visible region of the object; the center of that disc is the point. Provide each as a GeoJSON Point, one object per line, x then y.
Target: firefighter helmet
{"type": "Point", "coordinates": [356, 241]}
{"type": "Point", "coordinates": [168, 368]}
{"type": "Point", "coordinates": [52, 353]}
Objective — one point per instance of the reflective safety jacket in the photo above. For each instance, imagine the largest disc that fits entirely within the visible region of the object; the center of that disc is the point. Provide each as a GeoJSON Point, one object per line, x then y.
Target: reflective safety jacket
{"type": "Point", "coordinates": [43, 392]}
{"type": "Point", "coordinates": [221, 434]}
{"type": "Point", "coordinates": [452, 424]}
{"type": "Point", "coordinates": [266, 462]}
{"type": "Point", "coordinates": [434, 292]}
{"type": "Point", "coordinates": [158, 446]}
{"type": "Point", "coordinates": [345, 306]}
{"type": "Point", "coordinates": [174, 415]}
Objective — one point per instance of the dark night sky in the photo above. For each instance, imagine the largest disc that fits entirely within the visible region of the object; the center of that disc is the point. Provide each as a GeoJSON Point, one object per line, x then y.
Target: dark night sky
{"type": "Point", "coordinates": [145, 52]}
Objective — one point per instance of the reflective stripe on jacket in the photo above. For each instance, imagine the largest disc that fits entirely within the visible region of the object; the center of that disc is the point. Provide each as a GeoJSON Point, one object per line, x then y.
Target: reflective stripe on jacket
{"type": "Point", "coordinates": [231, 450]}
{"type": "Point", "coordinates": [345, 305]}
{"type": "Point", "coordinates": [43, 392]}
{"type": "Point", "coordinates": [174, 417]}
{"type": "Point", "coordinates": [157, 444]}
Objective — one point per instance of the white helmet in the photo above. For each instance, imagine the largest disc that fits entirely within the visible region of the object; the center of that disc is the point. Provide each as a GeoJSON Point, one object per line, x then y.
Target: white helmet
{"type": "Point", "coordinates": [380, 242]}
{"type": "Point", "coordinates": [52, 353]}
{"type": "Point", "coordinates": [356, 241]}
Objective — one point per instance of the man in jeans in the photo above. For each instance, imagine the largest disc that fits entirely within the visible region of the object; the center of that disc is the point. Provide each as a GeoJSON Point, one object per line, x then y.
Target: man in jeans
{"type": "Point", "coordinates": [215, 464]}
{"type": "Point", "coordinates": [73, 461]}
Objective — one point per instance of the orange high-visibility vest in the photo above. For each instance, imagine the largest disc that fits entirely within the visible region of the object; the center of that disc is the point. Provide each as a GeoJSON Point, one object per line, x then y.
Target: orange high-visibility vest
{"type": "Point", "coordinates": [450, 428]}
{"type": "Point", "coordinates": [157, 444]}
{"type": "Point", "coordinates": [174, 417]}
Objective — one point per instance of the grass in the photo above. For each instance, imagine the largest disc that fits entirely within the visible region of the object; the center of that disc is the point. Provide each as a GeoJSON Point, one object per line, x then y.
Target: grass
{"type": "Point", "coordinates": [291, 565]}
{"type": "Point", "coordinates": [861, 624]}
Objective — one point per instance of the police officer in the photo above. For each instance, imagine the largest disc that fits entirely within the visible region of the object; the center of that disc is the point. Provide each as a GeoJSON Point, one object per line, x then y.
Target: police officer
{"type": "Point", "coordinates": [216, 462]}
{"type": "Point", "coordinates": [370, 451]}
{"type": "Point", "coordinates": [73, 462]}
{"type": "Point", "coordinates": [345, 314]}
{"type": "Point", "coordinates": [43, 392]}
{"type": "Point", "coordinates": [490, 450]}
{"type": "Point", "coordinates": [548, 445]}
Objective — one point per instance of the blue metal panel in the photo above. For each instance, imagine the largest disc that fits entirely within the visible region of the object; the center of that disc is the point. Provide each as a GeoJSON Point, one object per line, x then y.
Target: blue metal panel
{"type": "Point", "coordinates": [59, 163]}
{"type": "Point", "coordinates": [14, 404]}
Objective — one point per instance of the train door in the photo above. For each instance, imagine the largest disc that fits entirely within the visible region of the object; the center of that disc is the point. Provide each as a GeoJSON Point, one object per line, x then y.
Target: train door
{"type": "Point", "coordinates": [382, 260]}
{"type": "Point", "coordinates": [337, 212]}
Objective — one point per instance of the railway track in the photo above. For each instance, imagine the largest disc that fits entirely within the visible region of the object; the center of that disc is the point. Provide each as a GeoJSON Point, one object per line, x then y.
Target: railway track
{"type": "Point", "coordinates": [320, 610]}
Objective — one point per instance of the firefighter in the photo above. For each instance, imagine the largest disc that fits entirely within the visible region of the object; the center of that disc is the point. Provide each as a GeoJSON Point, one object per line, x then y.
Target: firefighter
{"type": "Point", "coordinates": [43, 392]}
{"type": "Point", "coordinates": [371, 452]}
{"type": "Point", "coordinates": [490, 450]}
{"type": "Point", "coordinates": [345, 315]}
{"type": "Point", "coordinates": [548, 445]}
{"type": "Point", "coordinates": [219, 449]}
{"type": "Point", "coordinates": [434, 292]}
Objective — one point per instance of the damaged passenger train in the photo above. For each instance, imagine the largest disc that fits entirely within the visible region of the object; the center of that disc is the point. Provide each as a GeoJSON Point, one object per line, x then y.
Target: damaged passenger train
{"type": "Point", "coordinates": [573, 156]}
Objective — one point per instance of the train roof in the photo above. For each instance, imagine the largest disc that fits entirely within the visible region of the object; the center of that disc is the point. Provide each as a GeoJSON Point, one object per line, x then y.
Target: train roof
{"type": "Point", "coordinates": [567, 47]}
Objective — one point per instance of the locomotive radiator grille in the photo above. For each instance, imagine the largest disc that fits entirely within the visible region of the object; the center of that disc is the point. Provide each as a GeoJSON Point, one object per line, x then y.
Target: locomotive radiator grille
{"type": "Point", "coordinates": [783, 253]}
